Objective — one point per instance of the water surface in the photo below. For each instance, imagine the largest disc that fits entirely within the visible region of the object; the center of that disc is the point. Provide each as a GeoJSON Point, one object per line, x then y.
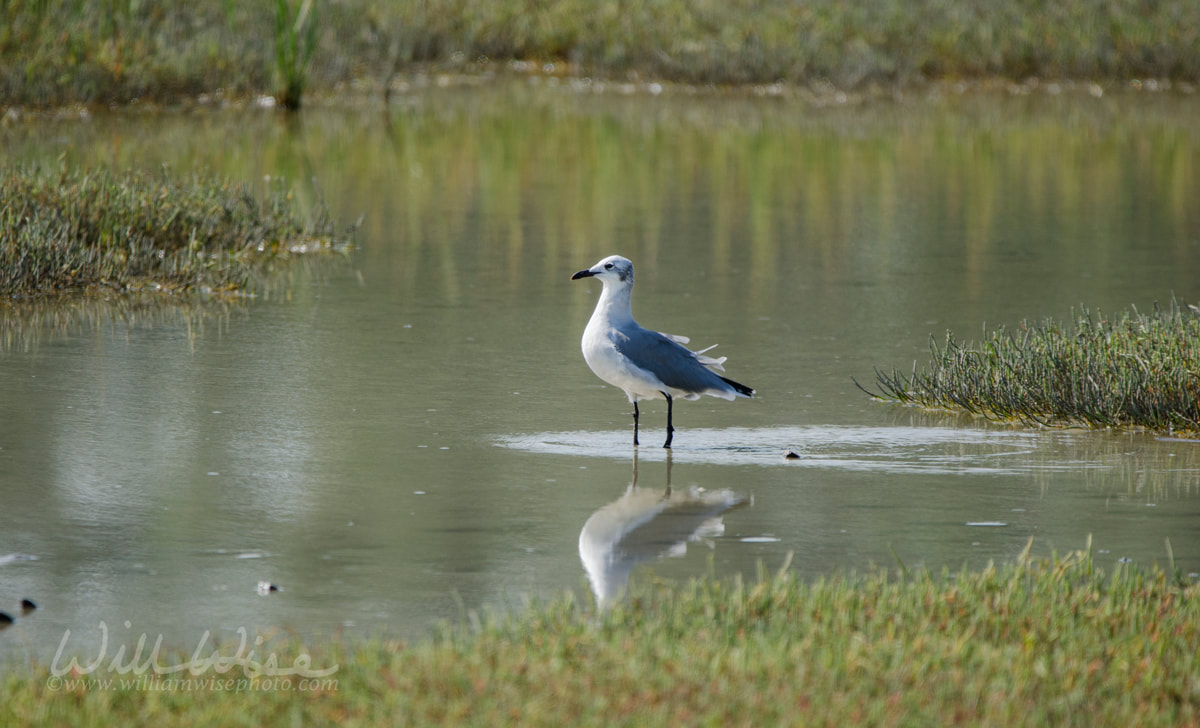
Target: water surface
{"type": "Point", "coordinates": [413, 434]}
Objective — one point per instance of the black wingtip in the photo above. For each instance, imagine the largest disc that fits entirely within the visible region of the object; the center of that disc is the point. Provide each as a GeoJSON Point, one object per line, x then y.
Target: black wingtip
{"type": "Point", "coordinates": [740, 388]}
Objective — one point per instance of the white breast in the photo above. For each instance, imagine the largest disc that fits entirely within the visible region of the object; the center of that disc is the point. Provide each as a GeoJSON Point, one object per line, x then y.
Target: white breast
{"type": "Point", "coordinates": [610, 365]}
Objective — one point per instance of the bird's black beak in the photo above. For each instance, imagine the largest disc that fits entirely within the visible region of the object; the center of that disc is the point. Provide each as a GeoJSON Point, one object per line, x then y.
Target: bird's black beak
{"type": "Point", "coordinates": [582, 274]}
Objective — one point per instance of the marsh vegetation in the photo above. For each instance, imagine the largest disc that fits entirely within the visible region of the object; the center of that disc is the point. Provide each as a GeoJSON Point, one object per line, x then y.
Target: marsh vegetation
{"type": "Point", "coordinates": [1055, 641]}
{"type": "Point", "coordinates": [64, 229]}
{"type": "Point", "coordinates": [56, 52]}
{"type": "Point", "coordinates": [1127, 370]}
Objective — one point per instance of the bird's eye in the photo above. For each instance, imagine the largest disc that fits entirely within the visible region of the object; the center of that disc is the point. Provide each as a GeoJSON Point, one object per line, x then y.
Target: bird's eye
{"type": "Point", "coordinates": [608, 266]}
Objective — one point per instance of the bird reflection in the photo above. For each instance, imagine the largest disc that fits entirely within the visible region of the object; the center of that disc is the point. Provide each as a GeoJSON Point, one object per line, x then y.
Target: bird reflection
{"type": "Point", "coordinates": [646, 524]}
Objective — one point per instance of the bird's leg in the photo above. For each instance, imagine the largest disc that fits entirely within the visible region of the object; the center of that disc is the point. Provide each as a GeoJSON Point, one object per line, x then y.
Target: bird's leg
{"type": "Point", "coordinates": [670, 428]}
{"type": "Point", "coordinates": [635, 420]}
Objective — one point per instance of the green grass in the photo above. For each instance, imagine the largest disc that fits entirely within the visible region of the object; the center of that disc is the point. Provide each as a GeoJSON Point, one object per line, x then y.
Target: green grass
{"type": "Point", "coordinates": [66, 229]}
{"type": "Point", "coordinates": [1131, 370]}
{"type": "Point", "coordinates": [295, 43]}
{"type": "Point", "coordinates": [1053, 642]}
{"type": "Point", "coordinates": [56, 52]}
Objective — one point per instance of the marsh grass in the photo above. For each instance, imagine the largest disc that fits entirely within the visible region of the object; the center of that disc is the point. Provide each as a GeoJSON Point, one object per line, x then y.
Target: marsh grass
{"type": "Point", "coordinates": [1129, 370]}
{"type": "Point", "coordinates": [295, 43]}
{"type": "Point", "coordinates": [65, 229]}
{"type": "Point", "coordinates": [1052, 641]}
{"type": "Point", "coordinates": [55, 52]}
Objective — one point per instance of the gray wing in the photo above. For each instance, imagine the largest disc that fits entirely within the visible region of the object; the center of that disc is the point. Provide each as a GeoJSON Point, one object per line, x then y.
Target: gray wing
{"type": "Point", "coordinates": [674, 364]}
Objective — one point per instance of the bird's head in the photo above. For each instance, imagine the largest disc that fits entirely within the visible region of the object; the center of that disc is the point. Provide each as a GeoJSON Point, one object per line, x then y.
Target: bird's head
{"type": "Point", "coordinates": [613, 269]}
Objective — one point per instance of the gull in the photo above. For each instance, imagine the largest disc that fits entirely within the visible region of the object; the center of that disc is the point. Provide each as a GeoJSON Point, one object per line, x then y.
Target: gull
{"type": "Point", "coordinates": [645, 364]}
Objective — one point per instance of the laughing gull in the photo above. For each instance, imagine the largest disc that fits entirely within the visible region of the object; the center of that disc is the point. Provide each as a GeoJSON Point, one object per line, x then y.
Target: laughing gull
{"type": "Point", "coordinates": [645, 364]}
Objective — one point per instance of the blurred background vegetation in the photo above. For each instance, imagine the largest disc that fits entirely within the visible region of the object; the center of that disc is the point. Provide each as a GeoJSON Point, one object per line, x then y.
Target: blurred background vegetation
{"type": "Point", "coordinates": [56, 52]}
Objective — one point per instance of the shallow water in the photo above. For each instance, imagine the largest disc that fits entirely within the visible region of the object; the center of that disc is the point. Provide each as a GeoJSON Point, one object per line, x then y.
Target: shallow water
{"type": "Point", "coordinates": [412, 434]}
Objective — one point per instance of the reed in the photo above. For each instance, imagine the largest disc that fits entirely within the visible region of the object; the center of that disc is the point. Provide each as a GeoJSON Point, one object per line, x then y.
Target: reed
{"type": "Point", "coordinates": [295, 43]}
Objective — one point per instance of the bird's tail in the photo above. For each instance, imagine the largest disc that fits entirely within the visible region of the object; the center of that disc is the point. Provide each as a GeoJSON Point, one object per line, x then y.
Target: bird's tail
{"type": "Point", "coordinates": [740, 388]}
